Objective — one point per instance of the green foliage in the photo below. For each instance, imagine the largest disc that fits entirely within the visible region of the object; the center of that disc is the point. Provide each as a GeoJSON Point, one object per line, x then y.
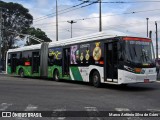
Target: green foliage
{"type": "Point", "coordinates": [16, 18]}
{"type": "Point", "coordinates": [36, 33]}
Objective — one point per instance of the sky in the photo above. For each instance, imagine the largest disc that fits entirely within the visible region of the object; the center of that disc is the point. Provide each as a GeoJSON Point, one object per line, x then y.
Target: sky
{"type": "Point", "coordinates": [117, 18]}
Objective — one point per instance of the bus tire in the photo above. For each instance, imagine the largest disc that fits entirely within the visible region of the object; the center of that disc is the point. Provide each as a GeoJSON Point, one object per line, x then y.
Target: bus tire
{"type": "Point", "coordinates": [21, 73]}
{"type": "Point", "coordinates": [96, 79]}
{"type": "Point", "coordinates": [56, 76]}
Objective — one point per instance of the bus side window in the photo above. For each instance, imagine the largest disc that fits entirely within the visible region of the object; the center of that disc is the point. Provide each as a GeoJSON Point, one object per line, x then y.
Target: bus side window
{"type": "Point", "coordinates": [50, 60]}
{"type": "Point", "coordinates": [27, 56]}
{"type": "Point", "coordinates": [84, 53]}
{"type": "Point", "coordinates": [120, 53]}
{"type": "Point", "coordinates": [74, 55]}
{"type": "Point", "coordinates": [96, 53]}
{"type": "Point", "coordinates": [18, 58]}
{"type": "Point", "coordinates": [9, 59]}
{"type": "Point", "coordinates": [21, 60]}
{"type": "Point", "coordinates": [55, 56]}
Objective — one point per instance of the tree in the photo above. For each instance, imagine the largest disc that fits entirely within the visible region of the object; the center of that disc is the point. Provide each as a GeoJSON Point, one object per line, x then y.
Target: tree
{"type": "Point", "coordinates": [16, 18]}
{"type": "Point", "coordinates": [36, 33]}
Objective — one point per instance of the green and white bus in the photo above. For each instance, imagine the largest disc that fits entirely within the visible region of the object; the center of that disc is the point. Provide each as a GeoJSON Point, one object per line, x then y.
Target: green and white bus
{"type": "Point", "coordinates": [96, 58]}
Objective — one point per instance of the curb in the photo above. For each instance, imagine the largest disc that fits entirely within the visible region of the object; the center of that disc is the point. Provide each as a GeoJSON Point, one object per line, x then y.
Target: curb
{"type": "Point", "coordinates": [3, 73]}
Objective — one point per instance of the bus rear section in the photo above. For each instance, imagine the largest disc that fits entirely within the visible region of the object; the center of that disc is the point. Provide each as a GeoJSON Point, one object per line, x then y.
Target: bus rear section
{"type": "Point", "coordinates": [136, 61]}
{"type": "Point", "coordinates": [24, 61]}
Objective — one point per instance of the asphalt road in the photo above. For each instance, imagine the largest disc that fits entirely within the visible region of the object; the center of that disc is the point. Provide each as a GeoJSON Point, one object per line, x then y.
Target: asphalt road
{"type": "Point", "coordinates": [27, 94]}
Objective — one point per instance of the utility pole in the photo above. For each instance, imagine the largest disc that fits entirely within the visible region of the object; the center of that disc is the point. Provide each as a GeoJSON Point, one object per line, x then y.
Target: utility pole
{"type": "Point", "coordinates": [71, 22]}
{"type": "Point", "coordinates": [147, 26]}
{"type": "Point", "coordinates": [0, 39]}
{"type": "Point", "coordinates": [100, 15]}
{"type": "Point", "coordinates": [156, 41]}
{"type": "Point", "coordinates": [150, 34]}
{"type": "Point", "coordinates": [56, 21]}
{"type": "Point", "coordinates": [100, 11]}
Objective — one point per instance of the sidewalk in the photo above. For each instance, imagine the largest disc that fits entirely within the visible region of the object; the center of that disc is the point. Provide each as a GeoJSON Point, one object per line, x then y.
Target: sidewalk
{"type": "Point", "coordinates": [3, 72]}
{"type": "Point", "coordinates": [158, 77]}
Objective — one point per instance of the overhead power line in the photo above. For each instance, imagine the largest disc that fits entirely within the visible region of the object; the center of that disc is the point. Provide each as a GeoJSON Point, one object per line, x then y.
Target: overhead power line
{"type": "Point", "coordinates": [58, 14]}
{"type": "Point", "coordinates": [116, 26]}
{"type": "Point", "coordinates": [127, 13]}
{"type": "Point", "coordinates": [26, 35]}
{"type": "Point", "coordinates": [61, 12]}
{"type": "Point", "coordinates": [90, 3]}
{"type": "Point", "coordinates": [133, 1]}
{"type": "Point", "coordinates": [52, 14]}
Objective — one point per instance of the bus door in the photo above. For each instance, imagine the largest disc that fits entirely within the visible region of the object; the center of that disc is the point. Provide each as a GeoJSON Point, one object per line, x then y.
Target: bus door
{"type": "Point", "coordinates": [13, 62]}
{"type": "Point", "coordinates": [35, 62]}
{"type": "Point", "coordinates": [66, 61]}
{"type": "Point", "coordinates": [111, 62]}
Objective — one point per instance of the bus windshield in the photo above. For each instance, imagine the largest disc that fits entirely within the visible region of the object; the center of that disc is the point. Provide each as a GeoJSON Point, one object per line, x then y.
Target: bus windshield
{"type": "Point", "coordinates": [139, 52]}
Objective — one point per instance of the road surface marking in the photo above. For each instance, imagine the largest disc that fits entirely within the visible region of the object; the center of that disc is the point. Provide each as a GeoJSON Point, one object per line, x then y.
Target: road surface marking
{"type": "Point", "coordinates": [128, 118]}
{"type": "Point", "coordinates": [59, 118]}
{"type": "Point", "coordinates": [122, 109]}
{"type": "Point", "coordinates": [18, 118]}
{"type": "Point", "coordinates": [92, 109]}
{"type": "Point", "coordinates": [153, 110]}
{"type": "Point", "coordinates": [31, 108]}
{"type": "Point", "coordinates": [28, 108]}
{"type": "Point", "coordinates": [4, 106]}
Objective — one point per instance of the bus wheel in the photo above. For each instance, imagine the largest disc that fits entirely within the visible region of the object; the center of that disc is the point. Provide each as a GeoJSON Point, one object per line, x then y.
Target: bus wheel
{"type": "Point", "coordinates": [56, 76]}
{"type": "Point", "coordinates": [21, 73]}
{"type": "Point", "coordinates": [96, 79]}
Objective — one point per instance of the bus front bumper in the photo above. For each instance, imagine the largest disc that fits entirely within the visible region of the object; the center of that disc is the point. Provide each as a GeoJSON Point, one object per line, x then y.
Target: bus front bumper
{"type": "Point", "coordinates": [126, 77]}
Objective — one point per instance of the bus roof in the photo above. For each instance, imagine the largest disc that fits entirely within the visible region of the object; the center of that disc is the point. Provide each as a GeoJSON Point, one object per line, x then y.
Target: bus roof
{"type": "Point", "coordinates": [86, 38]}
{"type": "Point", "coordinates": [31, 47]}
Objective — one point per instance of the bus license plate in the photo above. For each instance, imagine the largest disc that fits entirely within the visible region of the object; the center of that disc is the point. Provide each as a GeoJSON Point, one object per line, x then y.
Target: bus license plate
{"type": "Point", "coordinates": [146, 80]}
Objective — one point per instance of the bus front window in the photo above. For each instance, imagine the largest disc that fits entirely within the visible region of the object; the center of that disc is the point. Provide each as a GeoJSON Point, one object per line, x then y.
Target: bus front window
{"type": "Point", "coordinates": [139, 52]}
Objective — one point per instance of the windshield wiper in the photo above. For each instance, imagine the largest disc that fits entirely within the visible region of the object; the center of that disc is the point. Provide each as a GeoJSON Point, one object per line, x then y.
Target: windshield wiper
{"type": "Point", "coordinates": [134, 51]}
{"type": "Point", "coordinates": [145, 56]}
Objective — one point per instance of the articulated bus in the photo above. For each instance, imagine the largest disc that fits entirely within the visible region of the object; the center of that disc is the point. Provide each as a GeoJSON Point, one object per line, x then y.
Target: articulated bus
{"type": "Point", "coordinates": [96, 58]}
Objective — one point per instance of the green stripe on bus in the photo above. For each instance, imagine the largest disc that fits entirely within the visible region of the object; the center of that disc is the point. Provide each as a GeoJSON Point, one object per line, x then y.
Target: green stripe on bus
{"type": "Point", "coordinates": [8, 69]}
{"type": "Point", "coordinates": [76, 74]}
{"type": "Point", "coordinates": [27, 71]}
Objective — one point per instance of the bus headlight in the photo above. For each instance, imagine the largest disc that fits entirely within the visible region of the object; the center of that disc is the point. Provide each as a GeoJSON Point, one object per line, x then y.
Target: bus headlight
{"type": "Point", "coordinates": [142, 71]}
{"type": "Point", "coordinates": [128, 68]}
